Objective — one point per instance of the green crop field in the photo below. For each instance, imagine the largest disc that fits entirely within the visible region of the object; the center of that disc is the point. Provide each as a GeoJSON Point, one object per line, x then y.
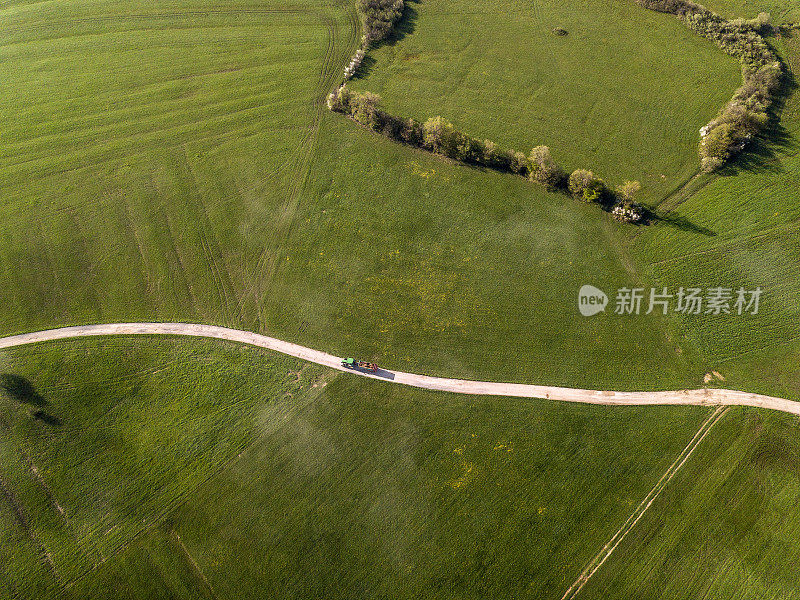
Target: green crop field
{"type": "Point", "coordinates": [726, 528]}
{"type": "Point", "coordinates": [175, 161]}
{"type": "Point", "coordinates": [624, 93]}
{"type": "Point", "coordinates": [279, 480]}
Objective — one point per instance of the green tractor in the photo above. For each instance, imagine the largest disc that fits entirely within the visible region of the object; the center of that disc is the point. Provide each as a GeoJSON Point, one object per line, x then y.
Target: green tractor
{"type": "Point", "coordinates": [359, 365]}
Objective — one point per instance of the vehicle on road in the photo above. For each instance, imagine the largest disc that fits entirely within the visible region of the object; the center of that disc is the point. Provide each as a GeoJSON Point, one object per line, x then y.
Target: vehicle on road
{"type": "Point", "coordinates": [352, 363]}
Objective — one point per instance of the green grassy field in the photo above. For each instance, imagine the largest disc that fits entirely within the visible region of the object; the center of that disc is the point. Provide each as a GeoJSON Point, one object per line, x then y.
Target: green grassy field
{"type": "Point", "coordinates": [159, 450]}
{"type": "Point", "coordinates": [131, 430]}
{"type": "Point", "coordinates": [752, 211]}
{"type": "Point", "coordinates": [180, 167]}
{"type": "Point", "coordinates": [725, 528]}
{"type": "Point", "coordinates": [177, 163]}
{"type": "Point", "coordinates": [780, 10]}
{"type": "Point", "coordinates": [598, 97]}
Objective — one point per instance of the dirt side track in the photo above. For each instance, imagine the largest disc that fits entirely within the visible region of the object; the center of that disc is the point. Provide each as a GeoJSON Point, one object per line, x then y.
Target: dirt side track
{"type": "Point", "coordinates": [699, 397]}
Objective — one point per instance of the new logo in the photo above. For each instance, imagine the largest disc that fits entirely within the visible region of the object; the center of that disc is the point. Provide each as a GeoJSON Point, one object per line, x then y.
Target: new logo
{"type": "Point", "coordinates": [591, 300]}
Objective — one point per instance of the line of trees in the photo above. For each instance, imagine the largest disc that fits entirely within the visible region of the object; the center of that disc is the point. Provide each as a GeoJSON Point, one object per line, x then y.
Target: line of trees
{"type": "Point", "coordinates": [379, 18]}
{"type": "Point", "coordinates": [747, 113]}
{"type": "Point", "coordinates": [440, 136]}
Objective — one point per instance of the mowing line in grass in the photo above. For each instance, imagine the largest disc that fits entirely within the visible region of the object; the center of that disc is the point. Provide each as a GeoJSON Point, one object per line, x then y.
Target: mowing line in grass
{"type": "Point", "coordinates": [626, 527]}
{"type": "Point", "coordinates": [185, 552]}
{"type": "Point", "coordinates": [22, 519]}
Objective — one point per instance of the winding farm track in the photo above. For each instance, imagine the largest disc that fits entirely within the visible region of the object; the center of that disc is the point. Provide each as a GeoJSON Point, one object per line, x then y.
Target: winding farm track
{"type": "Point", "coordinates": [700, 397]}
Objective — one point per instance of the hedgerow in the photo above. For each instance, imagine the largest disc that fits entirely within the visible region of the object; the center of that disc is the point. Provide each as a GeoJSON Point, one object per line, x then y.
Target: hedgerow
{"type": "Point", "coordinates": [439, 136]}
{"type": "Point", "coordinates": [379, 18]}
{"type": "Point", "coordinates": [747, 113]}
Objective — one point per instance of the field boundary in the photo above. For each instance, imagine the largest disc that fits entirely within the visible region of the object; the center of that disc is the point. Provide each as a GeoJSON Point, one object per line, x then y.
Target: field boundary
{"type": "Point", "coordinates": [594, 565]}
{"type": "Point", "coordinates": [762, 80]}
{"type": "Point", "coordinates": [694, 397]}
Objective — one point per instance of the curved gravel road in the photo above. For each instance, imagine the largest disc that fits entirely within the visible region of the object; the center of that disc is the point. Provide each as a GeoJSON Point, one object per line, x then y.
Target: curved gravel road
{"type": "Point", "coordinates": [701, 397]}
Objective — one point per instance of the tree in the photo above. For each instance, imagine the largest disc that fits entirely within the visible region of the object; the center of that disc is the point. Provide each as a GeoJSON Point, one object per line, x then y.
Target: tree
{"type": "Point", "coordinates": [585, 186]}
{"type": "Point", "coordinates": [716, 145]}
{"type": "Point", "coordinates": [364, 108]}
{"type": "Point", "coordinates": [411, 132]}
{"type": "Point", "coordinates": [543, 169]}
{"type": "Point", "coordinates": [439, 135]}
{"type": "Point", "coordinates": [518, 162]}
{"type": "Point", "coordinates": [628, 190]}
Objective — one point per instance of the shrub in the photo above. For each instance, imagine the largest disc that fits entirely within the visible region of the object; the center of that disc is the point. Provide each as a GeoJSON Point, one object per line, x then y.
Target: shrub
{"type": "Point", "coordinates": [517, 162]}
{"type": "Point", "coordinates": [339, 100]}
{"type": "Point", "coordinates": [379, 17]}
{"type": "Point", "coordinates": [494, 157]}
{"type": "Point", "coordinates": [470, 150]}
{"type": "Point", "coordinates": [544, 170]}
{"type": "Point", "coordinates": [351, 69]}
{"type": "Point", "coordinates": [412, 132]}
{"type": "Point", "coordinates": [763, 22]}
{"type": "Point", "coordinates": [364, 109]}
{"type": "Point", "coordinates": [718, 143]}
{"type": "Point", "coordinates": [585, 186]}
{"type": "Point", "coordinates": [628, 190]}
{"type": "Point", "coordinates": [438, 135]}
{"type": "Point", "coordinates": [629, 212]}
{"type": "Point", "coordinates": [709, 164]}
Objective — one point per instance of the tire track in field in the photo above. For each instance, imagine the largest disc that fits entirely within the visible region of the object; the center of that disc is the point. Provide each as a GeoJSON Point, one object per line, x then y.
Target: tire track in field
{"type": "Point", "coordinates": [271, 255]}
{"type": "Point", "coordinates": [122, 17]}
{"type": "Point", "coordinates": [22, 520]}
{"type": "Point", "coordinates": [198, 571]}
{"type": "Point", "coordinates": [645, 504]}
{"type": "Point", "coordinates": [212, 250]}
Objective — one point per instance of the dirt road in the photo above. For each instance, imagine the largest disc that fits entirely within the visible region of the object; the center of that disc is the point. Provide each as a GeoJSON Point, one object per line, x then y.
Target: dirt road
{"type": "Point", "coordinates": [699, 397]}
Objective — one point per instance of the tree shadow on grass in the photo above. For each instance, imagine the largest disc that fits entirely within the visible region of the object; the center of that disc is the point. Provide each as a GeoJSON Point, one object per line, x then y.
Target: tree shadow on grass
{"type": "Point", "coordinates": [365, 68]}
{"type": "Point", "coordinates": [763, 155]}
{"type": "Point", "coordinates": [405, 26]}
{"type": "Point", "coordinates": [21, 389]}
{"type": "Point", "coordinates": [45, 418]}
{"type": "Point", "coordinates": [677, 221]}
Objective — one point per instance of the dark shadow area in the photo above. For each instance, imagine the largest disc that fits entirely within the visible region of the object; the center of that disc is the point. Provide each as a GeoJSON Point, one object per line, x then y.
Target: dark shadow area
{"type": "Point", "coordinates": [365, 68]}
{"type": "Point", "coordinates": [21, 389]}
{"type": "Point", "coordinates": [383, 373]}
{"type": "Point", "coordinates": [42, 416]}
{"type": "Point", "coordinates": [763, 154]}
{"type": "Point", "coordinates": [677, 221]}
{"type": "Point", "coordinates": [405, 26]}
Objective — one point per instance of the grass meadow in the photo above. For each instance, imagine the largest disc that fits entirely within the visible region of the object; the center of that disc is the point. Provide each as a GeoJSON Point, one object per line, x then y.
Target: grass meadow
{"type": "Point", "coordinates": [726, 527]}
{"type": "Point", "coordinates": [781, 11]}
{"type": "Point", "coordinates": [624, 93]}
{"type": "Point", "coordinates": [131, 430]}
{"type": "Point", "coordinates": [176, 162]}
{"type": "Point", "coordinates": [181, 166]}
{"type": "Point", "coordinates": [751, 214]}
{"type": "Point", "coordinates": [188, 466]}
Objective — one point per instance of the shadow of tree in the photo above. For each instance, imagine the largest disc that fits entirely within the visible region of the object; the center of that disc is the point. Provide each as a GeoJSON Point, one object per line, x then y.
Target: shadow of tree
{"type": "Point", "coordinates": [405, 26]}
{"type": "Point", "coordinates": [45, 418]}
{"type": "Point", "coordinates": [763, 155]}
{"type": "Point", "coordinates": [680, 222]}
{"type": "Point", "coordinates": [365, 68]}
{"type": "Point", "coordinates": [21, 389]}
